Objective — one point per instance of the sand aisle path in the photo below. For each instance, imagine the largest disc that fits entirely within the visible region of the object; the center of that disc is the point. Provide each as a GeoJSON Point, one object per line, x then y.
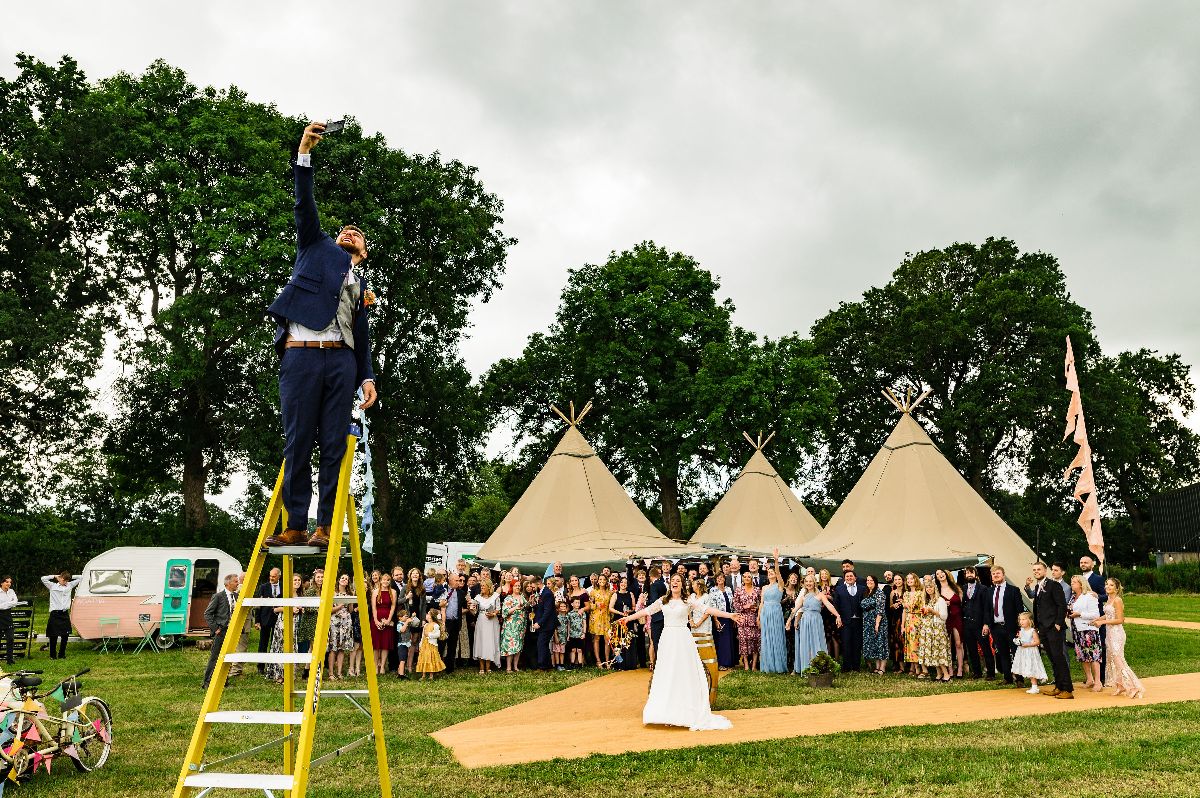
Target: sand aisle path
{"type": "Point", "coordinates": [604, 716]}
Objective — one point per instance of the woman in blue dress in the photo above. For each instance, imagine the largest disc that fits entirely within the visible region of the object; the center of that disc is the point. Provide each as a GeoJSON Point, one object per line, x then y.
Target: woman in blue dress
{"type": "Point", "coordinates": [772, 656]}
{"type": "Point", "coordinates": [808, 623]}
{"type": "Point", "coordinates": [726, 636]}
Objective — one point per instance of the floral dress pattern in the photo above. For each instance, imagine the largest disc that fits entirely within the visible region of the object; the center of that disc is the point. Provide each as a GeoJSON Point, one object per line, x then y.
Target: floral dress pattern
{"type": "Point", "coordinates": [745, 605]}
{"type": "Point", "coordinates": [933, 642]}
{"type": "Point", "coordinates": [341, 629]}
{"type": "Point", "coordinates": [875, 643]}
{"type": "Point", "coordinates": [598, 623]}
{"type": "Point", "coordinates": [512, 632]}
{"type": "Point", "coordinates": [910, 625]}
{"type": "Point", "coordinates": [1087, 641]}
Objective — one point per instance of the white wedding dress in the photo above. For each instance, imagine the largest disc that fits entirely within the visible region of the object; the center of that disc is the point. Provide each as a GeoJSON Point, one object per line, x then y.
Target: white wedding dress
{"type": "Point", "coordinates": [679, 688]}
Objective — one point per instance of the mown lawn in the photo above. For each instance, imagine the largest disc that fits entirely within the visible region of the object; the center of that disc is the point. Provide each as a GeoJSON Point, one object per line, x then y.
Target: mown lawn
{"type": "Point", "coordinates": [1170, 607]}
{"type": "Point", "coordinates": [1135, 751]}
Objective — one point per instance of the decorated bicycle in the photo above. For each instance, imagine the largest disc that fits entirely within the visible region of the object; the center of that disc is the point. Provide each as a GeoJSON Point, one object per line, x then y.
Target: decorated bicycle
{"type": "Point", "coordinates": [32, 739]}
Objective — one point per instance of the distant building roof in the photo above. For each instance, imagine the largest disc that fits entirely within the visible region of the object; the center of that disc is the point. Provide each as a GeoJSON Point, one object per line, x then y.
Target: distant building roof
{"type": "Point", "coordinates": [1175, 518]}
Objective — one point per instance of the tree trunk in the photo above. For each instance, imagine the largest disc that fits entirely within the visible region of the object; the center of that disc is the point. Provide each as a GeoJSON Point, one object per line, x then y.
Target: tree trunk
{"type": "Point", "coordinates": [384, 528]}
{"type": "Point", "coordinates": [195, 508]}
{"type": "Point", "coordinates": [668, 499]}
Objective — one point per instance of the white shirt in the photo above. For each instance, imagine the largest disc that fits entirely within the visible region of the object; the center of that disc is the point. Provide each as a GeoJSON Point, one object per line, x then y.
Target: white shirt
{"type": "Point", "coordinates": [60, 595]}
{"type": "Point", "coordinates": [852, 589]}
{"type": "Point", "coordinates": [8, 599]}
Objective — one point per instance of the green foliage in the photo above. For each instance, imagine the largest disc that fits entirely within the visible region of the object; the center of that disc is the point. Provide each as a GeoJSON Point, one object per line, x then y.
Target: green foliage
{"type": "Point", "coordinates": [984, 327]}
{"type": "Point", "coordinates": [822, 663]}
{"type": "Point", "coordinates": [1176, 577]}
{"type": "Point", "coordinates": [55, 286]}
{"type": "Point", "coordinates": [674, 382]}
{"type": "Point", "coordinates": [476, 515]}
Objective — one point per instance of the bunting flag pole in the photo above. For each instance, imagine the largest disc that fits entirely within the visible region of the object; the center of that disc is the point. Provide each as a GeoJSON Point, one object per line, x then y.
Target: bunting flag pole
{"type": "Point", "coordinates": [1085, 484]}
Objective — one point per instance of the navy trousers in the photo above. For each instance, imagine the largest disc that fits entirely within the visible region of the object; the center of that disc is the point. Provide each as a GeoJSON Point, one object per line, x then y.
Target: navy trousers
{"type": "Point", "coordinates": [316, 392]}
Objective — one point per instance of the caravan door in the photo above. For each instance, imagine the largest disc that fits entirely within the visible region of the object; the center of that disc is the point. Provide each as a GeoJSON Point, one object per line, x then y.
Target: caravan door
{"type": "Point", "coordinates": [176, 592]}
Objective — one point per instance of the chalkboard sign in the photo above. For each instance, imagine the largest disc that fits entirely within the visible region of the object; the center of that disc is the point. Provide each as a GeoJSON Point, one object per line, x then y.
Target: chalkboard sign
{"type": "Point", "coordinates": [22, 618]}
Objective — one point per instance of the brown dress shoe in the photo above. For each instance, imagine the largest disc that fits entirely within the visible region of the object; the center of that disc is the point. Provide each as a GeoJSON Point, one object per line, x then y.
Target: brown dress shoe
{"type": "Point", "coordinates": [1064, 694]}
{"type": "Point", "coordinates": [1050, 691]}
{"type": "Point", "coordinates": [320, 538]}
{"type": "Point", "coordinates": [290, 537]}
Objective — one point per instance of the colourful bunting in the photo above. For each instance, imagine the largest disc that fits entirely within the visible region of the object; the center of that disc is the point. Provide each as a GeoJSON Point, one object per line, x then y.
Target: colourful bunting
{"type": "Point", "coordinates": [1085, 485]}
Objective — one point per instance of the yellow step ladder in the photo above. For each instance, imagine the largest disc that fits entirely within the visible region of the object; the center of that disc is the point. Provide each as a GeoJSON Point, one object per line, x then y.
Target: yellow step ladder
{"type": "Point", "coordinates": [197, 778]}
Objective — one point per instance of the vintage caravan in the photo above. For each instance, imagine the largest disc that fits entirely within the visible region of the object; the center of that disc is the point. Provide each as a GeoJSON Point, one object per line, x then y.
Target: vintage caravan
{"type": "Point", "coordinates": [126, 590]}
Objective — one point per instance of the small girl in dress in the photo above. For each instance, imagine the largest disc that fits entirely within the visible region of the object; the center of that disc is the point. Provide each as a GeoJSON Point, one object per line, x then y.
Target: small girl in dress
{"type": "Point", "coordinates": [429, 661]}
{"type": "Point", "coordinates": [558, 646]}
{"type": "Point", "coordinates": [1027, 661]}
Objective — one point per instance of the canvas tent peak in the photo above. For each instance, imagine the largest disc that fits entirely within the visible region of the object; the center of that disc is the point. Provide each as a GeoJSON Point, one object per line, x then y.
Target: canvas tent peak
{"type": "Point", "coordinates": [572, 419]}
{"type": "Point", "coordinates": [905, 405]}
{"type": "Point", "coordinates": [760, 444]}
{"type": "Point", "coordinates": [759, 513]}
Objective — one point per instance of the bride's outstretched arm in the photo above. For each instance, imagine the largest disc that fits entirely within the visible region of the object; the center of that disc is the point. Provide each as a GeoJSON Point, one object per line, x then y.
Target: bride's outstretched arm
{"type": "Point", "coordinates": [643, 613]}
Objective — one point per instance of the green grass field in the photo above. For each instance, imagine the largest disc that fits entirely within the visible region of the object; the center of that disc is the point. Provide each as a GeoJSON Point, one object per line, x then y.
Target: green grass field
{"type": "Point", "coordinates": [1171, 607]}
{"type": "Point", "coordinates": [1135, 751]}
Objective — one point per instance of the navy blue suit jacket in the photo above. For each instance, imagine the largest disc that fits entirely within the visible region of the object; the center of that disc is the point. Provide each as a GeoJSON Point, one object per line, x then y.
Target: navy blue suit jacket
{"type": "Point", "coordinates": [546, 616]}
{"type": "Point", "coordinates": [311, 295]}
{"type": "Point", "coordinates": [848, 606]}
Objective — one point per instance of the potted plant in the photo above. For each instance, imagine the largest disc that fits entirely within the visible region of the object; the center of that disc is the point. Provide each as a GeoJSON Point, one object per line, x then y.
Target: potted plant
{"type": "Point", "coordinates": [821, 670]}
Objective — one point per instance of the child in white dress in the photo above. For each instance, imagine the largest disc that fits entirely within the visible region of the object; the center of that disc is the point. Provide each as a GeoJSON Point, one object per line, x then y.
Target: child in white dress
{"type": "Point", "coordinates": [1027, 661]}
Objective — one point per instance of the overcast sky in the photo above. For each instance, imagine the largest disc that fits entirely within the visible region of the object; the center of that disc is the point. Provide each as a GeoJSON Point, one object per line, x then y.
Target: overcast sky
{"type": "Point", "coordinates": [797, 150]}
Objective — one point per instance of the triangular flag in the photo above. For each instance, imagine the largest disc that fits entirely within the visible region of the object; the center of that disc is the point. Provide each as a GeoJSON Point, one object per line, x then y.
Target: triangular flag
{"type": "Point", "coordinates": [58, 694]}
{"type": "Point", "coordinates": [46, 761]}
{"type": "Point", "coordinates": [33, 735]}
{"type": "Point", "coordinates": [70, 751]}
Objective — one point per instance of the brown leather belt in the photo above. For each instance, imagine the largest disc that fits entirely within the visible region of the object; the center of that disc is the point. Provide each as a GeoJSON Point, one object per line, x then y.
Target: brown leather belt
{"type": "Point", "coordinates": [314, 344]}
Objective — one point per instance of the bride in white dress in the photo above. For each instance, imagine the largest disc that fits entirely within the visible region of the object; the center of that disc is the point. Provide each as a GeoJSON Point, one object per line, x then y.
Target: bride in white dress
{"type": "Point", "coordinates": [679, 687]}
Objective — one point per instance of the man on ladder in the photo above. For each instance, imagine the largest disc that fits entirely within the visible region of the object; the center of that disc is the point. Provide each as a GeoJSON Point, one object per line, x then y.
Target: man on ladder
{"type": "Point", "coordinates": [324, 346]}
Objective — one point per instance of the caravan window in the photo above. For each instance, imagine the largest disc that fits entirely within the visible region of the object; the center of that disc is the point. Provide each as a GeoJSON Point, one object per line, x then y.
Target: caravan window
{"type": "Point", "coordinates": [177, 578]}
{"type": "Point", "coordinates": [109, 582]}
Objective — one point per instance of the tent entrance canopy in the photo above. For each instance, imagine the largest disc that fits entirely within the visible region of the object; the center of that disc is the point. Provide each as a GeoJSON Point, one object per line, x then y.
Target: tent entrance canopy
{"type": "Point", "coordinates": [876, 567]}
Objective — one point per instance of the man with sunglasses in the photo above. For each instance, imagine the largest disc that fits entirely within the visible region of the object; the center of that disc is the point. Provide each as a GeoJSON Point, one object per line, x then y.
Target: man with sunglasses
{"type": "Point", "coordinates": [323, 342]}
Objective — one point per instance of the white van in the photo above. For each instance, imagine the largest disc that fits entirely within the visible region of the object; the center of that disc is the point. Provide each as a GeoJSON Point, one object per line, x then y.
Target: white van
{"type": "Point", "coordinates": [447, 555]}
{"type": "Point", "coordinates": [129, 587]}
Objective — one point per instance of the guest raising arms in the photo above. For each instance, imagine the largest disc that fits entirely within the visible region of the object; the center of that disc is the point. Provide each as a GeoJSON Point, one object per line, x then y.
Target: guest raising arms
{"type": "Point", "coordinates": [809, 623]}
{"type": "Point", "coordinates": [772, 648]}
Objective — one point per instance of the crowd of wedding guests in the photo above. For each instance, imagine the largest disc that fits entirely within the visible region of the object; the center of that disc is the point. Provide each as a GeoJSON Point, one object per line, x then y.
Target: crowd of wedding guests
{"type": "Point", "coordinates": [940, 626]}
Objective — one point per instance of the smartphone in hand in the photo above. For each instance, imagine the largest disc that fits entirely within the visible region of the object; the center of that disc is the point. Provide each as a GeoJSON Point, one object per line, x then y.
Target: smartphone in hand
{"type": "Point", "coordinates": [334, 127]}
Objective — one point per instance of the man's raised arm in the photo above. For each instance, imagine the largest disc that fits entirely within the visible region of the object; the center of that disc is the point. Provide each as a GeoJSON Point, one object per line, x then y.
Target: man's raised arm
{"type": "Point", "coordinates": [308, 224]}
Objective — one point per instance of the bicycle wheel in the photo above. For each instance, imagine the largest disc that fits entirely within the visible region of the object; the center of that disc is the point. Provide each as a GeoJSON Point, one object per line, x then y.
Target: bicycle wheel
{"type": "Point", "coordinates": [94, 735]}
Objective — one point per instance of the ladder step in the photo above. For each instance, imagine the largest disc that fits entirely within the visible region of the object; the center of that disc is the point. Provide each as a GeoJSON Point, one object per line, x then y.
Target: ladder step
{"type": "Point", "coordinates": [335, 692]}
{"type": "Point", "coordinates": [300, 551]}
{"type": "Point", "coordinates": [269, 718]}
{"type": "Point", "coordinates": [244, 781]}
{"type": "Point", "coordinates": [276, 658]}
{"type": "Point", "coordinates": [306, 601]}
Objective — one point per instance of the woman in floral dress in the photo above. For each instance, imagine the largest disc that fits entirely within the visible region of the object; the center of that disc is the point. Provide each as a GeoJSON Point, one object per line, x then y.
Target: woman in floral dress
{"type": "Point", "coordinates": [341, 631]}
{"type": "Point", "coordinates": [598, 623]}
{"type": "Point", "coordinates": [933, 646]}
{"type": "Point", "coordinates": [914, 603]}
{"type": "Point", "coordinates": [512, 629]}
{"type": "Point", "coordinates": [875, 626]}
{"type": "Point", "coordinates": [274, 670]}
{"type": "Point", "coordinates": [745, 605]}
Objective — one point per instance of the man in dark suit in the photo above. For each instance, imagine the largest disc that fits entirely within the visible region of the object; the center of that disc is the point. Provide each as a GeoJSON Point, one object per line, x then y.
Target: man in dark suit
{"type": "Point", "coordinates": [847, 597]}
{"type": "Point", "coordinates": [975, 600]}
{"type": "Point", "coordinates": [265, 617]}
{"type": "Point", "coordinates": [545, 620]}
{"type": "Point", "coordinates": [454, 607]}
{"type": "Point", "coordinates": [656, 590]}
{"type": "Point", "coordinates": [1050, 618]}
{"type": "Point", "coordinates": [324, 346]}
{"type": "Point", "coordinates": [217, 615]}
{"type": "Point", "coordinates": [1004, 605]}
{"type": "Point", "coordinates": [757, 578]}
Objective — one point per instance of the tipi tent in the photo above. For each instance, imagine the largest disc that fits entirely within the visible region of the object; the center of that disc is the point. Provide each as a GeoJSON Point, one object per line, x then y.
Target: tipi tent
{"type": "Point", "coordinates": [911, 510]}
{"type": "Point", "coordinates": [575, 512]}
{"type": "Point", "coordinates": [759, 512]}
